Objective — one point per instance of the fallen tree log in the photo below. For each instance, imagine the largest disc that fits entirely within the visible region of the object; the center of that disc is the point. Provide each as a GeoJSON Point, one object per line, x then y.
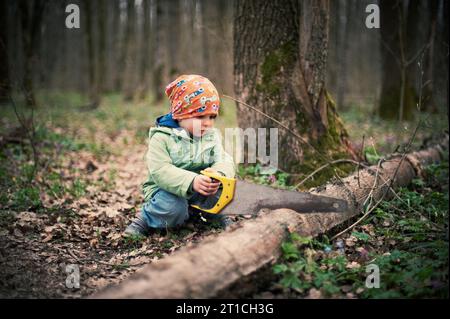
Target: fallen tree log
{"type": "Point", "coordinates": [218, 266]}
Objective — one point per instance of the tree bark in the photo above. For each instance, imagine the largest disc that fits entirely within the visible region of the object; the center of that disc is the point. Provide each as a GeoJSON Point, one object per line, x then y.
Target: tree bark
{"type": "Point", "coordinates": [232, 263]}
{"type": "Point", "coordinates": [281, 72]}
{"type": "Point", "coordinates": [399, 53]}
{"type": "Point", "coordinates": [31, 18]}
{"type": "Point", "coordinates": [116, 46]}
{"type": "Point", "coordinates": [130, 51]}
{"type": "Point", "coordinates": [102, 54]}
{"type": "Point", "coordinates": [444, 54]}
{"type": "Point", "coordinates": [172, 40]}
{"type": "Point", "coordinates": [5, 84]}
{"type": "Point", "coordinates": [217, 43]}
{"type": "Point", "coordinates": [124, 45]}
{"type": "Point", "coordinates": [94, 98]}
{"type": "Point", "coordinates": [159, 66]}
{"type": "Point", "coordinates": [147, 47]}
{"type": "Point", "coordinates": [342, 47]}
{"type": "Point", "coordinates": [225, 39]}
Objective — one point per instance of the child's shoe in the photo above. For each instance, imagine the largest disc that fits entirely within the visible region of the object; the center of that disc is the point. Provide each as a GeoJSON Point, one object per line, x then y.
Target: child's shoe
{"type": "Point", "coordinates": [138, 227]}
{"type": "Point", "coordinates": [226, 221]}
{"type": "Point", "coordinates": [222, 221]}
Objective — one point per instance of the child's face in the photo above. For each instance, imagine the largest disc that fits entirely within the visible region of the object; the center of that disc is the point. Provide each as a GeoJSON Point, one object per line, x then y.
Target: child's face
{"type": "Point", "coordinates": [198, 126]}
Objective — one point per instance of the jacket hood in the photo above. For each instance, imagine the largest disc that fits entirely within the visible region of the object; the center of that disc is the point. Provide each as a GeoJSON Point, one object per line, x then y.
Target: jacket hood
{"type": "Point", "coordinates": [167, 121]}
{"type": "Point", "coordinates": [166, 124]}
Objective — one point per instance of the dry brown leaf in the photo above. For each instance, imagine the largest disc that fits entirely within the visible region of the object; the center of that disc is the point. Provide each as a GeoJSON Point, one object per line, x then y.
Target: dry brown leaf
{"type": "Point", "coordinates": [50, 229]}
{"type": "Point", "coordinates": [110, 212]}
{"type": "Point", "coordinates": [114, 236]}
{"type": "Point", "coordinates": [47, 238]}
{"type": "Point", "coordinates": [139, 261]}
{"type": "Point", "coordinates": [18, 233]}
{"type": "Point", "coordinates": [93, 242]}
{"type": "Point", "coordinates": [350, 241]}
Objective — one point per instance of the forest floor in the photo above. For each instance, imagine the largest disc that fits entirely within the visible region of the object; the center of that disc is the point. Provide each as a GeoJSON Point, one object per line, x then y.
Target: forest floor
{"type": "Point", "coordinates": [71, 209]}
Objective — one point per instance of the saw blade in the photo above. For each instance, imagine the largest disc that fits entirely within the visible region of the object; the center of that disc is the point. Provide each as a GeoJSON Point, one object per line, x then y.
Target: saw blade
{"type": "Point", "coordinates": [249, 198]}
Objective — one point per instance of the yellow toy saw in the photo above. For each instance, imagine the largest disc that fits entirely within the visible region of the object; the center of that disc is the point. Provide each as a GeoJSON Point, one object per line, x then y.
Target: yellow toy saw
{"type": "Point", "coordinates": [236, 197]}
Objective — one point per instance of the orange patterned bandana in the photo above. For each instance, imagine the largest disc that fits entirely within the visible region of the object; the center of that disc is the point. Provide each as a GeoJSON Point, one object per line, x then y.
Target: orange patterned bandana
{"type": "Point", "coordinates": [191, 96]}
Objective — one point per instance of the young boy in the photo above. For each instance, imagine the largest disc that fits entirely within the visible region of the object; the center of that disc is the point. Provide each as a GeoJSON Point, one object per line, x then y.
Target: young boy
{"type": "Point", "coordinates": [183, 143]}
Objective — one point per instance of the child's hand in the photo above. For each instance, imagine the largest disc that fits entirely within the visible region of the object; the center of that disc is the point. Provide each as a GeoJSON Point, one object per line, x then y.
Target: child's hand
{"type": "Point", "coordinates": [205, 186]}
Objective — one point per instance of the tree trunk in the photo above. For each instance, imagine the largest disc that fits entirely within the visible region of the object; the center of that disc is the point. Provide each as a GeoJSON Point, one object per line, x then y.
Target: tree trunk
{"type": "Point", "coordinates": [158, 69]}
{"type": "Point", "coordinates": [436, 67]}
{"type": "Point", "coordinates": [147, 46]}
{"type": "Point", "coordinates": [398, 95]}
{"type": "Point", "coordinates": [5, 85]}
{"type": "Point", "coordinates": [172, 39]}
{"type": "Point", "coordinates": [123, 45]}
{"type": "Point", "coordinates": [31, 18]}
{"type": "Point", "coordinates": [116, 66]}
{"type": "Point", "coordinates": [94, 98]}
{"type": "Point", "coordinates": [102, 36]}
{"type": "Point", "coordinates": [130, 52]}
{"type": "Point", "coordinates": [281, 72]}
{"type": "Point", "coordinates": [429, 102]}
{"type": "Point", "coordinates": [217, 22]}
{"type": "Point", "coordinates": [203, 33]}
{"type": "Point", "coordinates": [343, 35]}
{"type": "Point", "coordinates": [225, 39]}
{"type": "Point", "coordinates": [235, 263]}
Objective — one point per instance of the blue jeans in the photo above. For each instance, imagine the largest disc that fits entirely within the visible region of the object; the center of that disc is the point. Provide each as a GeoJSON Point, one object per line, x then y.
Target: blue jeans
{"type": "Point", "coordinates": [165, 209]}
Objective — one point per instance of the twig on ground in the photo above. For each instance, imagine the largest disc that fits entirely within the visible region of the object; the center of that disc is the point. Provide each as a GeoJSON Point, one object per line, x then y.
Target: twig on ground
{"type": "Point", "coordinates": [31, 133]}
{"type": "Point", "coordinates": [360, 157]}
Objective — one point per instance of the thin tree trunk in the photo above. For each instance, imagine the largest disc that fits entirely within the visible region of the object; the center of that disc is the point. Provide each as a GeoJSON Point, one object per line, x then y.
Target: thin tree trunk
{"type": "Point", "coordinates": [214, 17]}
{"type": "Point", "coordinates": [398, 95]}
{"type": "Point", "coordinates": [158, 69]}
{"type": "Point", "coordinates": [123, 46]}
{"type": "Point", "coordinates": [172, 22]}
{"type": "Point", "coordinates": [130, 55]}
{"type": "Point", "coordinates": [147, 46]}
{"type": "Point", "coordinates": [198, 38]}
{"type": "Point", "coordinates": [343, 35]}
{"type": "Point", "coordinates": [102, 74]}
{"type": "Point", "coordinates": [428, 98]}
{"type": "Point", "coordinates": [204, 13]}
{"type": "Point", "coordinates": [5, 84]}
{"type": "Point", "coordinates": [31, 18]}
{"type": "Point", "coordinates": [117, 46]}
{"type": "Point", "coordinates": [226, 44]}
{"type": "Point", "coordinates": [94, 98]}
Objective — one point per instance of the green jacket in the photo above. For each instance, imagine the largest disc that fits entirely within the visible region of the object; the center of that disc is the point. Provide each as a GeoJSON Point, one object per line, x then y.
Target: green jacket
{"type": "Point", "coordinates": [174, 159]}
